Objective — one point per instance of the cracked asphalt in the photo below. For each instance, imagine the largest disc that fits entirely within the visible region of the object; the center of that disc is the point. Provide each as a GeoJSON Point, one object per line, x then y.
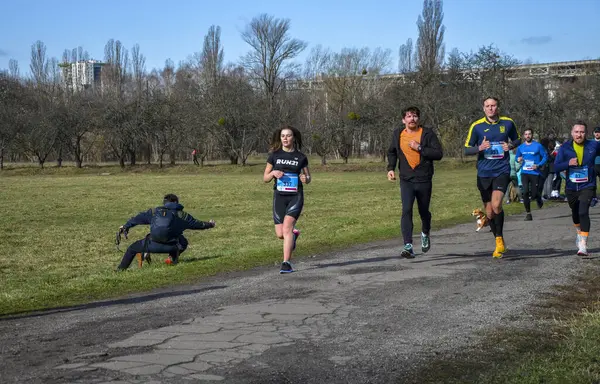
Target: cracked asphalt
{"type": "Point", "coordinates": [361, 315]}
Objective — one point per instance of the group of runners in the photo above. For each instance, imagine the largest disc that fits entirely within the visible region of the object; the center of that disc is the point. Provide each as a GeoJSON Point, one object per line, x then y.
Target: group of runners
{"type": "Point", "coordinates": [490, 139]}
{"type": "Point", "coordinates": [413, 150]}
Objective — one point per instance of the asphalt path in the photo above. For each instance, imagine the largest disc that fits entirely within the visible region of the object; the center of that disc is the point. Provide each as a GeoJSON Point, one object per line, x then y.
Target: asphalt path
{"type": "Point", "coordinates": [361, 315]}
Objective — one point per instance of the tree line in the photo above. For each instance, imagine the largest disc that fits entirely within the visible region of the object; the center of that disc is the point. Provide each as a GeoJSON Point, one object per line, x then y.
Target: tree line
{"type": "Point", "coordinates": [229, 111]}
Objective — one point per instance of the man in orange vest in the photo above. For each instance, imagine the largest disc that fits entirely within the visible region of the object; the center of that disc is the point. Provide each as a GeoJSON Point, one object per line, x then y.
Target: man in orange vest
{"type": "Point", "coordinates": [413, 150]}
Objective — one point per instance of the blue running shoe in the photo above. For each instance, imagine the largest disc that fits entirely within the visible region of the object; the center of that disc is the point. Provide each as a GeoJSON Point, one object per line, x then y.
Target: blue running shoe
{"type": "Point", "coordinates": [408, 252]}
{"type": "Point", "coordinates": [286, 267]}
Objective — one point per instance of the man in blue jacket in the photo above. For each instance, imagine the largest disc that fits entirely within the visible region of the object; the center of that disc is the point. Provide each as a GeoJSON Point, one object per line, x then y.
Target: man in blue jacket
{"type": "Point", "coordinates": [532, 156]}
{"type": "Point", "coordinates": [167, 224]}
{"type": "Point", "coordinates": [577, 157]}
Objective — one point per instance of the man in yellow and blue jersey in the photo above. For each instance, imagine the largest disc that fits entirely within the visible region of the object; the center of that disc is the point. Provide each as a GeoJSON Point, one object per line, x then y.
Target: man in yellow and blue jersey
{"type": "Point", "coordinates": [489, 138]}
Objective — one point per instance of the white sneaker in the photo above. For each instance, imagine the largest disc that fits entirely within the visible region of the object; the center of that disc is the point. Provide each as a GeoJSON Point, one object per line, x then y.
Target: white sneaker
{"type": "Point", "coordinates": [582, 246]}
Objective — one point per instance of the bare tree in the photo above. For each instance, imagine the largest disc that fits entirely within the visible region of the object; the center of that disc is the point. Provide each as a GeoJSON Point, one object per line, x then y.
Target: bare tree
{"type": "Point", "coordinates": [39, 62]}
{"type": "Point", "coordinates": [212, 56]}
{"type": "Point", "coordinates": [137, 105]}
{"type": "Point", "coordinates": [233, 115]}
{"type": "Point", "coordinates": [115, 72]}
{"type": "Point", "coordinates": [78, 119]}
{"type": "Point", "coordinates": [162, 115]}
{"type": "Point", "coordinates": [138, 66]}
{"type": "Point", "coordinates": [167, 77]}
{"type": "Point", "coordinates": [489, 69]}
{"type": "Point", "coordinates": [272, 48]}
{"type": "Point", "coordinates": [13, 69]}
{"type": "Point", "coordinates": [430, 43]}
{"type": "Point", "coordinates": [38, 135]}
{"type": "Point", "coordinates": [316, 62]}
{"type": "Point", "coordinates": [405, 57]}
{"type": "Point", "coordinates": [12, 112]}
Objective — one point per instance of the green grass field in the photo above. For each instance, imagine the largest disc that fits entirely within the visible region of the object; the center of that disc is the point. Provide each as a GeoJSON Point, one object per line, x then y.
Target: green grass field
{"type": "Point", "coordinates": [58, 229]}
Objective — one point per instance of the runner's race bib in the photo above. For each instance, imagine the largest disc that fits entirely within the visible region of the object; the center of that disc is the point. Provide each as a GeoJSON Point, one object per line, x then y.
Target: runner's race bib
{"type": "Point", "coordinates": [288, 183]}
{"type": "Point", "coordinates": [494, 152]}
{"type": "Point", "coordinates": [578, 174]}
{"type": "Point", "coordinates": [528, 166]}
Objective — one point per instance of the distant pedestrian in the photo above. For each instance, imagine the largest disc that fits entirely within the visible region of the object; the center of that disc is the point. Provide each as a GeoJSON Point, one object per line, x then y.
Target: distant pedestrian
{"type": "Point", "coordinates": [195, 157]}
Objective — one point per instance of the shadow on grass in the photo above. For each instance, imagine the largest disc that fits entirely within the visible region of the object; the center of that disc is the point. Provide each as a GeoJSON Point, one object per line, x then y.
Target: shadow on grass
{"type": "Point", "coordinates": [159, 258]}
{"type": "Point", "coordinates": [195, 259]}
{"type": "Point", "coordinates": [108, 303]}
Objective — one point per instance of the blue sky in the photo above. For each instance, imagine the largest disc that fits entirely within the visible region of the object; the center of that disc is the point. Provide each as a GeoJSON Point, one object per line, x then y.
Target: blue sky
{"type": "Point", "coordinates": [536, 30]}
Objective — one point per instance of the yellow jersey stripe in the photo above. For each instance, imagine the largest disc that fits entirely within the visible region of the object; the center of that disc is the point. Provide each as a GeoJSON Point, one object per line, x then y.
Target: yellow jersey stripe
{"type": "Point", "coordinates": [471, 130]}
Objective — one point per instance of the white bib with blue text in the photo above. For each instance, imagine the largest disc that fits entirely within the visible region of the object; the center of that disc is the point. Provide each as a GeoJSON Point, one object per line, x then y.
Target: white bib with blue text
{"type": "Point", "coordinates": [494, 152]}
{"type": "Point", "coordinates": [578, 174]}
{"type": "Point", "coordinates": [288, 183]}
{"type": "Point", "coordinates": [528, 166]}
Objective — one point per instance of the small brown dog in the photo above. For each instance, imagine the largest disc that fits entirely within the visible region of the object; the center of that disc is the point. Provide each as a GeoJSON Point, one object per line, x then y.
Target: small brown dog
{"type": "Point", "coordinates": [482, 219]}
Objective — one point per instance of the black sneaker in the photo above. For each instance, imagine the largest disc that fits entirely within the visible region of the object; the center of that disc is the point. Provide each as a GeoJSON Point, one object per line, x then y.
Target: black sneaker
{"type": "Point", "coordinates": [528, 217]}
{"type": "Point", "coordinates": [408, 252]}
{"type": "Point", "coordinates": [540, 203]}
{"type": "Point", "coordinates": [286, 267]}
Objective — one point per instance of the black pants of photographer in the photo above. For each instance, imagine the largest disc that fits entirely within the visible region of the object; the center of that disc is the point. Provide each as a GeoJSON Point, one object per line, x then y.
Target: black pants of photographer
{"type": "Point", "coordinates": [174, 250]}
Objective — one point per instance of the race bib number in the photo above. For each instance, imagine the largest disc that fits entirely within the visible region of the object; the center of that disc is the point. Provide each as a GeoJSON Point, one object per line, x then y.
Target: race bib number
{"type": "Point", "coordinates": [528, 166]}
{"type": "Point", "coordinates": [288, 183]}
{"type": "Point", "coordinates": [578, 174]}
{"type": "Point", "coordinates": [494, 152]}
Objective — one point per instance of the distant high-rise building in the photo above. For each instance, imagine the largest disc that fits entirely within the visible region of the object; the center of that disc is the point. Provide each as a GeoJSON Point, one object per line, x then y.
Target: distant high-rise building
{"type": "Point", "coordinates": [82, 74]}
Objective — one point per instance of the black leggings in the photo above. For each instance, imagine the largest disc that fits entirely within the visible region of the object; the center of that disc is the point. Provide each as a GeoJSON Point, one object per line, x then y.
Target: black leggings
{"type": "Point", "coordinates": [410, 191]}
{"type": "Point", "coordinates": [579, 202]}
{"type": "Point", "coordinates": [531, 185]}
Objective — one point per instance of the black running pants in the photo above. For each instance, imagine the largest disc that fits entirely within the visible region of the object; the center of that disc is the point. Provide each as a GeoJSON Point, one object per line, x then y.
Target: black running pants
{"type": "Point", "coordinates": [409, 192]}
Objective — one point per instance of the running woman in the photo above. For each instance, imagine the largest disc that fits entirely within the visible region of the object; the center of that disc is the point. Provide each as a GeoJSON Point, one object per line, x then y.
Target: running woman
{"type": "Point", "coordinates": [289, 168]}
